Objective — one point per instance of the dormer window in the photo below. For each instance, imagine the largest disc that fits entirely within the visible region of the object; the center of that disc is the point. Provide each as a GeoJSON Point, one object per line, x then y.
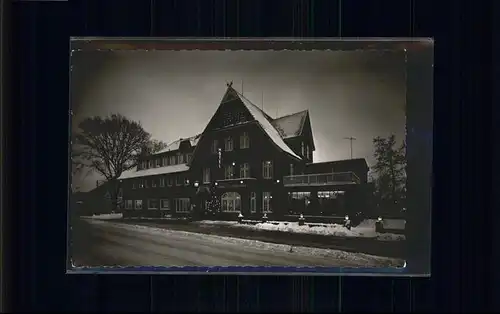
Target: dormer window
{"type": "Point", "coordinates": [180, 158]}
{"type": "Point", "coordinates": [307, 152]}
{"type": "Point", "coordinates": [172, 160]}
{"type": "Point", "coordinates": [228, 144]}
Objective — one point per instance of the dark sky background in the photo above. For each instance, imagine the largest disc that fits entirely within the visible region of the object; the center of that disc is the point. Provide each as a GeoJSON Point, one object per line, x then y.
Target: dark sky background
{"type": "Point", "coordinates": [175, 93]}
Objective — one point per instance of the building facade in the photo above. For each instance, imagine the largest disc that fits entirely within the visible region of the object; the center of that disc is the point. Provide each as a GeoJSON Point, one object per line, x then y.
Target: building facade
{"type": "Point", "coordinates": [250, 163]}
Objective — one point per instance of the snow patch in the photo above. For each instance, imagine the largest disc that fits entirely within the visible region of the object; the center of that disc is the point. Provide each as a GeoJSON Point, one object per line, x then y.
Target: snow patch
{"type": "Point", "coordinates": [105, 216]}
{"type": "Point", "coordinates": [365, 230]}
{"type": "Point", "coordinates": [154, 171]}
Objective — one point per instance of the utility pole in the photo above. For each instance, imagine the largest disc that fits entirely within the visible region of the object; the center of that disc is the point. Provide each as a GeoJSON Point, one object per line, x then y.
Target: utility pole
{"type": "Point", "coordinates": [351, 139]}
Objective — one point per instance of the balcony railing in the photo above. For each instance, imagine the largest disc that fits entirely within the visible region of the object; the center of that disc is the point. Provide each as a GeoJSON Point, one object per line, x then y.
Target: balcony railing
{"type": "Point", "coordinates": [336, 178]}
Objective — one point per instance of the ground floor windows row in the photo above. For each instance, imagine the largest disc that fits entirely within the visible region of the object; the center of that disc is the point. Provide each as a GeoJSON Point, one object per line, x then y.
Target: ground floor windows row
{"type": "Point", "coordinates": [232, 202]}
{"type": "Point", "coordinates": [180, 205]}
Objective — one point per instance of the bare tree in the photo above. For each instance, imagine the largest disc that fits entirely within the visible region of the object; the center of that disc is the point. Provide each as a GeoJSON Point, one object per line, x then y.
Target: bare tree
{"type": "Point", "coordinates": [110, 146]}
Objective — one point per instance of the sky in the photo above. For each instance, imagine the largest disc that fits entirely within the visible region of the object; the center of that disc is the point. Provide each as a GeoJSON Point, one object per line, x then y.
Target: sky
{"type": "Point", "coordinates": [174, 94]}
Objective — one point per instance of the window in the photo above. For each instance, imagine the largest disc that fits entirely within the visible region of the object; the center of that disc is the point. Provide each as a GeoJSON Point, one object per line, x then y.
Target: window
{"type": "Point", "coordinates": [146, 183]}
{"type": "Point", "coordinates": [158, 162]}
{"type": "Point", "coordinates": [300, 195]}
{"type": "Point", "coordinates": [172, 160]}
{"type": "Point", "coordinates": [189, 157]}
{"type": "Point", "coordinates": [302, 148]}
{"type": "Point", "coordinates": [244, 140]}
{"type": "Point", "coordinates": [182, 205]}
{"type": "Point", "coordinates": [180, 158]}
{"type": "Point", "coordinates": [231, 202]}
{"type": "Point", "coordinates": [206, 175]}
{"type": "Point", "coordinates": [245, 170]}
{"type": "Point", "coordinates": [307, 151]}
{"type": "Point", "coordinates": [228, 172]}
{"type": "Point", "coordinates": [266, 202]}
{"type": "Point", "coordinates": [178, 180]}
{"type": "Point", "coordinates": [165, 161]}
{"type": "Point", "coordinates": [144, 165]}
{"type": "Point", "coordinates": [133, 185]}
{"type": "Point", "coordinates": [228, 144]}
{"type": "Point", "coordinates": [151, 164]}
{"type": "Point", "coordinates": [291, 169]}
{"type": "Point", "coordinates": [138, 204]}
{"type": "Point", "coordinates": [129, 204]}
{"type": "Point", "coordinates": [253, 202]}
{"type": "Point", "coordinates": [215, 146]}
{"type": "Point", "coordinates": [153, 183]}
{"type": "Point", "coordinates": [170, 181]}
{"type": "Point", "coordinates": [162, 182]}
{"type": "Point", "coordinates": [141, 183]}
{"type": "Point", "coordinates": [152, 204]}
{"type": "Point", "coordinates": [164, 204]}
{"type": "Point", "coordinates": [267, 169]}
{"type": "Point", "coordinates": [329, 194]}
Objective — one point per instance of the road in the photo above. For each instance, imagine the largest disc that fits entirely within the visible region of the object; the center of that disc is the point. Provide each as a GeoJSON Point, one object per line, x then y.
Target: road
{"type": "Point", "coordinates": [99, 243]}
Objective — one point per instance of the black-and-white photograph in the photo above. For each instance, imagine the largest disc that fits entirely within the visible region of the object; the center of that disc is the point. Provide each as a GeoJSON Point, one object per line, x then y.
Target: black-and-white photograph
{"type": "Point", "coordinates": [238, 158]}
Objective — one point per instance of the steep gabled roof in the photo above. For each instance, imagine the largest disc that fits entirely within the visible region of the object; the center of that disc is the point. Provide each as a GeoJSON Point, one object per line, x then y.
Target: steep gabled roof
{"type": "Point", "coordinates": [290, 125]}
{"type": "Point", "coordinates": [262, 119]}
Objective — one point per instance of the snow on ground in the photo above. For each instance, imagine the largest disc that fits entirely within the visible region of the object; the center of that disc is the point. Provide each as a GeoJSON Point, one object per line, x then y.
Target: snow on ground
{"type": "Point", "coordinates": [355, 258]}
{"type": "Point", "coordinates": [366, 229]}
{"type": "Point", "coordinates": [105, 216]}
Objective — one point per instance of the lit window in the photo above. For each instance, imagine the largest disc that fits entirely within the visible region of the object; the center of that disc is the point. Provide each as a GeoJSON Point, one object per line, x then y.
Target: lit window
{"type": "Point", "coordinates": [307, 152]}
{"type": "Point", "coordinates": [244, 140]}
{"type": "Point", "coordinates": [245, 170]}
{"type": "Point", "coordinates": [228, 172]}
{"type": "Point", "coordinates": [267, 169]}
{"type": "Point", "coordinates": [146, 183]}
{"type": "Point", "coordinates": [141, 183]}
{"type": "Point", "coordinates": [302, 148]}
{"type": "Point", "coordinates": [152, 204]}
{"type": "Point", "coordinates": [228, 144]}
{"type": "Point", "coordinates": [164, 204]}
{"type": "Point", "coordinates": [138, 204]}
{"type": "Point", "coordinates": [206, 175]}
{"type": "Point", "coordinates": [231, 202]}
{"type": "Point", "coordinates": [253, 202]}
{"type": "Point", "coordinates": [266, 202]}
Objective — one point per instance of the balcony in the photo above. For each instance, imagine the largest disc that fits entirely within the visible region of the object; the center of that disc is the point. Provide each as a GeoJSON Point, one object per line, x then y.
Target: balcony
{"type": "Point", "coordinates": [321, 179]}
